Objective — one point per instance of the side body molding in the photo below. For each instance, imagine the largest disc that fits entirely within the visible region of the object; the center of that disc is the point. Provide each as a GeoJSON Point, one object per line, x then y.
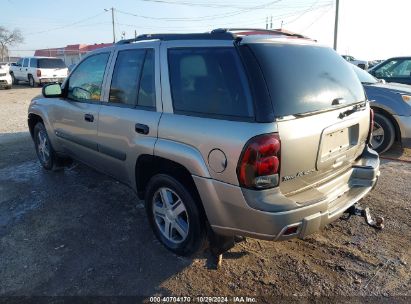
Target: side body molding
{"type": "Point", "coordinates": [183, 154]}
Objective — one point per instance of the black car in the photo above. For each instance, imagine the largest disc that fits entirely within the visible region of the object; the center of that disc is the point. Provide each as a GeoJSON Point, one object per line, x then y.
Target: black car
{"type": "Point", "coordinates": [397, 69]}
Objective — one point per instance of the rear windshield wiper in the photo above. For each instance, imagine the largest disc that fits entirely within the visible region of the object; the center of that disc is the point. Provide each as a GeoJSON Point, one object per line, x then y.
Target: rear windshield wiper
{"type": "Point", "coordinates": [351, 111]}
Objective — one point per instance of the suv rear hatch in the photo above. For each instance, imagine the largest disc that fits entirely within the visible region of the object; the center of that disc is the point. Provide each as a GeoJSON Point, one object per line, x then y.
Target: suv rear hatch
{"type": "Point", "coordinates": [320, 109]}
{"type": "Point", "coordinates": [52, 68]}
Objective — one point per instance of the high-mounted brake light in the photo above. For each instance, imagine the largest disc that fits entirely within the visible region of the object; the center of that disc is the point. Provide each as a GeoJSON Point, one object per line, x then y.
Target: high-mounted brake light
{"type": "Point", "coordinates": [371, 126]}
{"type": "Point", "coordinates": [38, 73]}
{"type": "Point", "coordinates": [259, 164]}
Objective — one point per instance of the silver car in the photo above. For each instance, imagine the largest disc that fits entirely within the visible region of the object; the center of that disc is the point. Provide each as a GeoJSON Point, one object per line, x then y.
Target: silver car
{"type": "Point", "coordinates": [224, 134]}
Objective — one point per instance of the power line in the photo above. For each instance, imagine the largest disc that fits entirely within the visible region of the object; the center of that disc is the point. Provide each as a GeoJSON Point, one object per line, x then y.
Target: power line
{"type": "Point", "coordinates": [208, 26]}
{"type": "Point", "coordinates": [210, 4]}
{"type": "Point", "coordinates": [203, 18]}
{"type": "Point", "coordinates": [323, 13]}
{"type": "Point", "coordinates": [67, 25]}
{"type": "Point", "coordinates": [193, 4]}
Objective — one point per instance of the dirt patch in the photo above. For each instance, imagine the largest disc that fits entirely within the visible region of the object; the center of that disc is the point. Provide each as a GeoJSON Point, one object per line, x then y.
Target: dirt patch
{"type": "Point", "coordinates": [14, 104]}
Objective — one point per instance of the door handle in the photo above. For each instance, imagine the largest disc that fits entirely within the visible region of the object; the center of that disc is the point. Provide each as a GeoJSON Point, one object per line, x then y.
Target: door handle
{"type": "Point", "coordinates": [89, 117]}
{"type": "Point", "coordinates": [142, 129]}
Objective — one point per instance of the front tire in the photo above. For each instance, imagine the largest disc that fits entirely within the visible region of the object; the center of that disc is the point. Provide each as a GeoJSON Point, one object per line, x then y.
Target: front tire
{"type": "Point", "coordinates": [45, 152]}
{"type": "Point", "coordinates": [14, 80]}
{"type": "Point", "coordinates": [383, 133]}
{"type": "Point", "coordinates": [174, 215]}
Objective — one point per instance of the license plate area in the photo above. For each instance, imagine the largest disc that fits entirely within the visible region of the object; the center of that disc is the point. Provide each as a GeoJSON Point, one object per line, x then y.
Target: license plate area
{"type": "Point", "coordinates": [335, 145]}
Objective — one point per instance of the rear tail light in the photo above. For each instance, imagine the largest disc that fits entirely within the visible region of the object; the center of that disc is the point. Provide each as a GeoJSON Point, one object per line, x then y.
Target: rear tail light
{"type": "Point", "coordinates": [371, 126]}
{"type": "Point", "coordinates": [38, 73]}
{"type": "Point", "coordinates": [259, 164]}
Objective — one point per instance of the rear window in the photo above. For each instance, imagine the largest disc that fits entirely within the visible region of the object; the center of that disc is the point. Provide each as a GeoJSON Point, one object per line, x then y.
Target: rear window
{"type": "Point", "coordinates": [46, 63]}
{"type": "Point", "coordinates": [306, 78]}
{"type": "Point", "coordinates": [209, 82]}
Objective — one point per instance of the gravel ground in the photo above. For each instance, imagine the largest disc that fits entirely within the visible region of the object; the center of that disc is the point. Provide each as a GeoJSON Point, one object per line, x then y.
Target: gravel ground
{"type": "Point", "coordinates": [78, 232]}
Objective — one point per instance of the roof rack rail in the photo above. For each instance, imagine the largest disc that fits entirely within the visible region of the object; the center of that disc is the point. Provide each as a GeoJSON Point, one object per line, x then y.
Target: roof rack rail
{"type": "Point", "coordinates": [271, 31]}
{"type": "Point", "coordinates": [216, 34]}
{"type": "Point", "coordinates": [166, 37]}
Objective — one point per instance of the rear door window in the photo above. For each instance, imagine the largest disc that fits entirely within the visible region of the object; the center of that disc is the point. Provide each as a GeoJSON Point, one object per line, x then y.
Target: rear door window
{"type": "Point", "coordinates": [126, 76]}
{"type": "Point", "coordinates": [146, 93]}
{"type": "Point", "coordinates": [133, 80]}
{"type": "Point", "coordinates": [209, 82]}
{"type": "Point", "coordinates": [306, 78]}
{"type": "Point", "coordinates": [33, 62]}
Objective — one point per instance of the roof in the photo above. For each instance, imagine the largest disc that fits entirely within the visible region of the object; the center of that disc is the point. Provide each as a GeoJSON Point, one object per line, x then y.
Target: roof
{"type": "Point", "coordinates": [217, 34]}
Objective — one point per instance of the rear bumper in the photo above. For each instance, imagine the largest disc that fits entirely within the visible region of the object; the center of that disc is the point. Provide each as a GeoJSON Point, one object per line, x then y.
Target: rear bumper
{"type": "Point", "coordinates": [404, 122]}
{"type": "Point", "coordinates": [229, 212]}
{"type": "Point", "coordinates": [51, 80]}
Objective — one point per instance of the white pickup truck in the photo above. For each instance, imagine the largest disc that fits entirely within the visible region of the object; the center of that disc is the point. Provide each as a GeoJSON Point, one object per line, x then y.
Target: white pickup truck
{"type": "Point", "coordinates": [359, 63]}
{"type": "Point", "coordinates": [38, 70]}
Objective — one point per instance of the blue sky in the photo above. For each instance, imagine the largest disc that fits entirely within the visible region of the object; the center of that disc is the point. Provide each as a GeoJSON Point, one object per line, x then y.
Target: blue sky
{"type": "Point", "coordinates": [368, 29]}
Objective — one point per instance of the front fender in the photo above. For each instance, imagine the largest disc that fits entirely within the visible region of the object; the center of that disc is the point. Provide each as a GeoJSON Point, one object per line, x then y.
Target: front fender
{"type": "Point", "coordinates": [36, 109]}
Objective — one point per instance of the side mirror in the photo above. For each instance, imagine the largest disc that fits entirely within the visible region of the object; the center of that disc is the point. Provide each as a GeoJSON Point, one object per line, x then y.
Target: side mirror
{"type": "Point", "coordinates": [52, 90]}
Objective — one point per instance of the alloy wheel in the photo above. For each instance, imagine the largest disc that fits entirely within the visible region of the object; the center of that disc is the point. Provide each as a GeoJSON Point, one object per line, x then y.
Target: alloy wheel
{"type": "Point", "coordinates": [43, 146]}
{"type": "Point", "coordinates": [170, 215]}
{"type": "Point", "coordinates": [377, 135]}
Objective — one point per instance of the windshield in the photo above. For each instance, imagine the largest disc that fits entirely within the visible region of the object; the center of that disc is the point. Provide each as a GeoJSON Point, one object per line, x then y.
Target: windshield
{"type": "Point", "coordinates": [364, 76]}
{"type": "Point", "coordinates": [50, 63]}
{"type": "Point", "coordinates": [306, 78]}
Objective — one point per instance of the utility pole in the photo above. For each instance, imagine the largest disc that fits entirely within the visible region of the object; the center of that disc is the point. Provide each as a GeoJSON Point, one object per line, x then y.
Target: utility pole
{"type": "Point", "coordinates": [112, 22]}
{"type": "Point", "coordinates": [337, 4]}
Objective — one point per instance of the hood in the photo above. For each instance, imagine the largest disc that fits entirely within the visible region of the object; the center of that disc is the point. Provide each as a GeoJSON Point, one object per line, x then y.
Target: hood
{"type": "Point", "coordinates": [394, 87]}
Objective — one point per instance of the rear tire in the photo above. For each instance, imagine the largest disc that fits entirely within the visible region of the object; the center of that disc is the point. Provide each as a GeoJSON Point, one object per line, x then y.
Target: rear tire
{"type": "Point", "coordinates": [175, 216]}
{"type": "Point", "coordinates": [32, 83]}
{"type": "Point", "coordinates": [383, 135]}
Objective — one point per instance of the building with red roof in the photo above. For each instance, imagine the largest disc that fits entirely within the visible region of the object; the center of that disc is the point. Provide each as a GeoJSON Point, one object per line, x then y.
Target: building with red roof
{"type": "Point", "coordinates": [71, 54]}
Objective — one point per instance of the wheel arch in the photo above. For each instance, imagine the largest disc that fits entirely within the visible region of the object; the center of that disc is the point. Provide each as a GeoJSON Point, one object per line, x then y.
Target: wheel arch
{"type": "Point", "coordinates": [33, 119]}
{"type": "Point", "coordinates": [391, 118]}
{"type": "Point", "coordinates": [149, 165]}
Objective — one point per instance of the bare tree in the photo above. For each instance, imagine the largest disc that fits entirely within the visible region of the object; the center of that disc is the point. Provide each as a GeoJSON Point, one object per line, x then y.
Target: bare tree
{"type": "Point", "coordinates": [9, 38]}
